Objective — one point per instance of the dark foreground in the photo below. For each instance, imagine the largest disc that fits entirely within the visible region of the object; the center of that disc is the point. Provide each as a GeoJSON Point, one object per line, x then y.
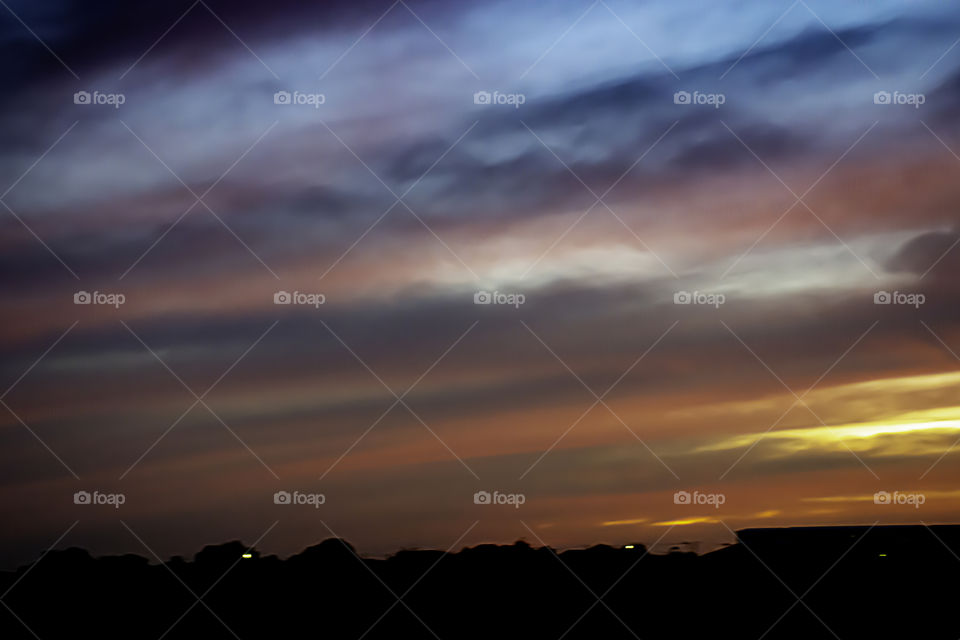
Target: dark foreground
{"type": "Point", "coordinates": [837, 582]}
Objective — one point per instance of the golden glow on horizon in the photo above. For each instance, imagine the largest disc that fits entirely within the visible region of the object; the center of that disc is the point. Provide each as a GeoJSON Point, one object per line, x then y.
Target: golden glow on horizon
{"type": "Point", "coordinates": [686, 521]}
{"type": "Point", "coordinates": [615, 523]}
{"type": "Point", "coordinates": [769, 513]}
{"type": "Point", "coordinates": [928, 493]}
{"type": "Point", "coordinates": [918, 435]}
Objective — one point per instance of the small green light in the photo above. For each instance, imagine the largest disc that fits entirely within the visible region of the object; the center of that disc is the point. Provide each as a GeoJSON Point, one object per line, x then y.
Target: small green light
{"type": "Point", "coordinates": [628, 546]}
{"type": "Point", "coordinates": [883, 555]}
{"type": "Point", "coordinates": [247, 556]}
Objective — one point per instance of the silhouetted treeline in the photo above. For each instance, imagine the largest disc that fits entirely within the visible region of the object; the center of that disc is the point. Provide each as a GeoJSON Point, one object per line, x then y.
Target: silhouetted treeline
{"type": "Point", "coordinates": [846, 582]}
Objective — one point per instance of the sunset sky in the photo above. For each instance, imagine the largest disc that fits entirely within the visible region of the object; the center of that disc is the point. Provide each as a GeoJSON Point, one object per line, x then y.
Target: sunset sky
{"type": "Point", "coordinates": [814, 167]}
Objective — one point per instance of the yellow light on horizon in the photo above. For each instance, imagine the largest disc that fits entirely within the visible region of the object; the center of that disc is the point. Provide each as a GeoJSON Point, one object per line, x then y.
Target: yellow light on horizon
{"type": "Point", "coordinates": [614, 523]}
{"type": "Point", "coordinates": [855, 437]}
{"type": "Point", "coordinates": [686, 521]}
{"type": "Point", "coordinates": [247, 556]}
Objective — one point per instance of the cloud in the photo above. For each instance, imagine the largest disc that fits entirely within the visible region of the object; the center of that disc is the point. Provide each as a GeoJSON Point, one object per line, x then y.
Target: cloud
{"type": "Point", "coordinates": [928, 252]}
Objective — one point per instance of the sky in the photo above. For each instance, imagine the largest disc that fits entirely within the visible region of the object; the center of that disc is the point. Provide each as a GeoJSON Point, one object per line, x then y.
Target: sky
{"type": "Point", "coordinates": [640, 271]}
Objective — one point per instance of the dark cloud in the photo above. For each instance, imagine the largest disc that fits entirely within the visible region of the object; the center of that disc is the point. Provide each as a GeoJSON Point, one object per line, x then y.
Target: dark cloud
{"type": "Point", "coordinates": [944, 100]}
{"type": "Point", "coordinates": [931, 251]}
{"type": "Point", "coordinates": [88, 35]}
{"type": "Point", "coordinates": [599, 131]}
